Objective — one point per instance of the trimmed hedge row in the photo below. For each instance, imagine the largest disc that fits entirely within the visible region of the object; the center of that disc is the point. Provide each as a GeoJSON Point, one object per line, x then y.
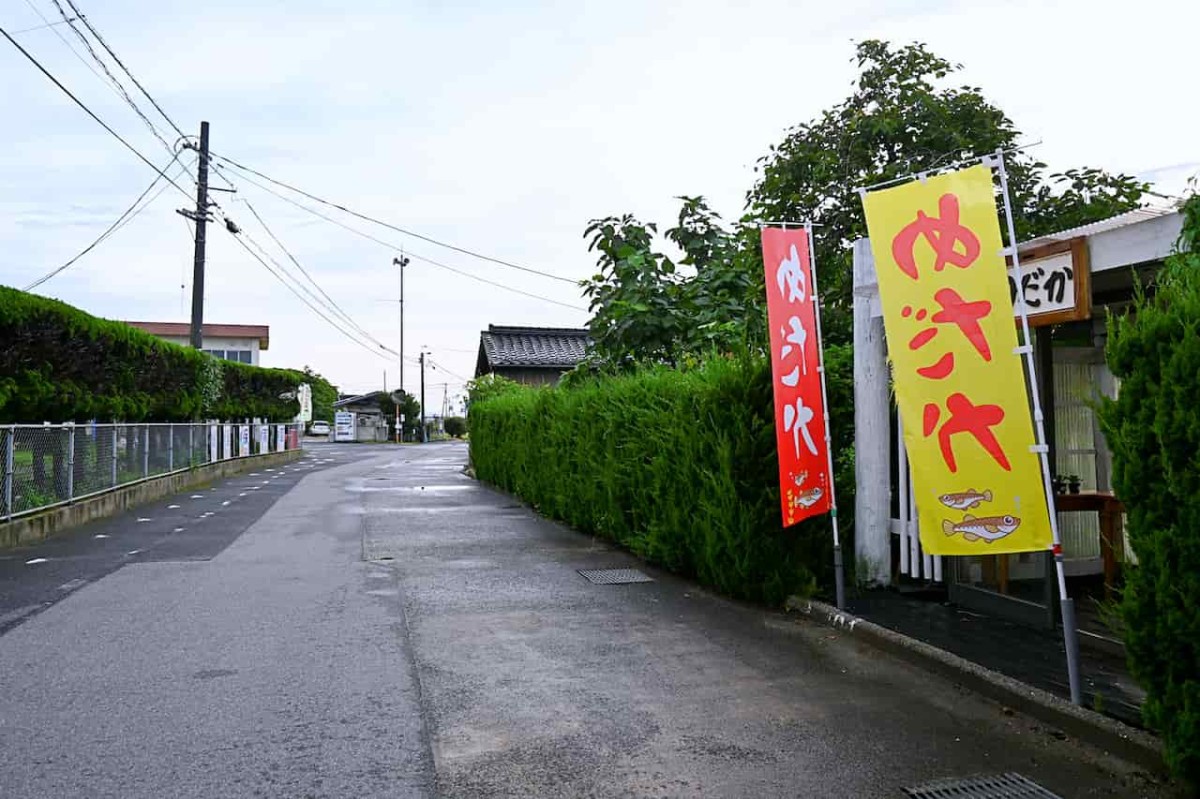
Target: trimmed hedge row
{"type": "Point", "coordinates": [59, 364]}
{"type": "Point", "coordinates": [677, 466]}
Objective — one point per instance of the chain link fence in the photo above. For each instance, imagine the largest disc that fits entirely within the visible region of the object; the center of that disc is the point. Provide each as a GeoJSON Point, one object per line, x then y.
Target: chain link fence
{"type": "Point", "coordinates": [46, 465]}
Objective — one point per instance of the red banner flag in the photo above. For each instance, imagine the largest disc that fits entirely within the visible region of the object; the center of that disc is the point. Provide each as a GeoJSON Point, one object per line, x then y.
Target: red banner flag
{"type": "Point", "coordinates": [804, 480]}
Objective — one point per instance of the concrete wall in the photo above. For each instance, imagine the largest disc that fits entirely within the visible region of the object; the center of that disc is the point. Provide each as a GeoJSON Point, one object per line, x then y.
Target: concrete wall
{"type": "Point", "coordinates": [38, 527]}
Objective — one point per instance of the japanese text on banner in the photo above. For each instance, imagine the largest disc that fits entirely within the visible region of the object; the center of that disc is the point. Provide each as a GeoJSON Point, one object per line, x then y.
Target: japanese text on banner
{"type": "Point", "coordinates": [959, 384]}
{"type": "Point", "coordinates": [795, 371]}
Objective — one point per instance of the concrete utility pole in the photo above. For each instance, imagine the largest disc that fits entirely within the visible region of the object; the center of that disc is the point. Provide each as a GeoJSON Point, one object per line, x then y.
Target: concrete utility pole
{"type": "Point", "coordinates": [401, 262]}
{"type": "Point", "coordinates": [201, 219]}
{"type": "Point", "coordinates": [423, 438]}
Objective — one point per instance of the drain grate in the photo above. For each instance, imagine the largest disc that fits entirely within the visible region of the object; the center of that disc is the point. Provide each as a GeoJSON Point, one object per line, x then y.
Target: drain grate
{"type": "Point", "coordinates": [615, 576]}
{"type": "Point", "coordinates": [999, 786]}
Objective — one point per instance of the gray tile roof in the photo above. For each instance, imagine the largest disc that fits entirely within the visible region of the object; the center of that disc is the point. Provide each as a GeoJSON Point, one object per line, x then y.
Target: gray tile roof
{"type": "Point", "coordinates": [531, 347]}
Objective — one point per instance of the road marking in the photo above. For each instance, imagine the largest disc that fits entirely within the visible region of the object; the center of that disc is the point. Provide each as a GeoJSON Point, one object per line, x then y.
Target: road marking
{"type": "Point", "coordinates": [143, 521]}
{"type": "Point", "coordinates": [225, 504]}
{"type": "Point", "coordinates": [197, 496]}
{"type": "Point", "coordinates": [100, 535]}
{"type": "Point", "coordinates": [36, 561]}
{"type": "Point", "coordinates": [242, 494]}
{"type": "Point", "coordinates": [172, 507]}
{"type": "Point", "coordinates": [134, 552]}
{"type": "Point", "coordinates": [177, 530]}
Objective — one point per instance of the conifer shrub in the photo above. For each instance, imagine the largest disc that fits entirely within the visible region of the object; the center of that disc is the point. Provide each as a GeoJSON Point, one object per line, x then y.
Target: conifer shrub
{"type": "Point", "coordinates": [678, 466]}
{"type": "Point", "coordinates": [1153, 429]}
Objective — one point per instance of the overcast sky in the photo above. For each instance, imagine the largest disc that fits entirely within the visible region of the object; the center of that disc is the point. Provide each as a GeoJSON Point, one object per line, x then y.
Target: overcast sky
{"type": "Point", "coordinates": [502, 128]}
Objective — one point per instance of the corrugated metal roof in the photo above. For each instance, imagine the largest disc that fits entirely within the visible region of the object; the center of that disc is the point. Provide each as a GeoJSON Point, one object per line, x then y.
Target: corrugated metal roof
{"type": "Point", "coordinates": [1112, 223]}
{"type": "Point", "coordinates": [533, 347]}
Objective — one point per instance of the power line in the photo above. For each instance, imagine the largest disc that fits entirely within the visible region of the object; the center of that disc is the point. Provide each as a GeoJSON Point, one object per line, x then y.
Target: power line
{"type": "Point", "coordinates": [91, 113]}
{"type": "Point", "coordinates": [330, 304]}
{"type": "Point", "coordinates": [129, 213]}
{"type": "Point", "coordinates": [121, 64]}
{"type": "Point", "coordinates": [396, 248]}
{"type": "Point", "coordinates": [124, 94]}
{"type": "Point", "coordinates": [40, 27]}
{"type": "Point", "coordinates": [390, 226]}
{"type": "Point", "coordinates": [288, 286]}
{"type": "Point", "coordinates": [67, 43]}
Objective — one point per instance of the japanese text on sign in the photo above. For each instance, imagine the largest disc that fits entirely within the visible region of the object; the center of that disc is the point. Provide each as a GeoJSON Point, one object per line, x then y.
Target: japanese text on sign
{"type": "Point", "coordinates": [959, 384]}
{"type": "Point", "coordinates": [804, 483]}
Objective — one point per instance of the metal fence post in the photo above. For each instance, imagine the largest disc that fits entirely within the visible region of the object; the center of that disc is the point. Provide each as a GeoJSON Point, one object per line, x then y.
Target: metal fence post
{"type": "Point", "coordinates": [114, 456]}
{"type": "Point", "coordinates": [146, 452]}
{"type": "Point", "coordinates": [9, 443]}
{"type": "Point", "coordinates": [170, 448]}
{"type": "Point", "coordinates": [71, 462]}
{"type": "Point", "coordinates": [191, 445]}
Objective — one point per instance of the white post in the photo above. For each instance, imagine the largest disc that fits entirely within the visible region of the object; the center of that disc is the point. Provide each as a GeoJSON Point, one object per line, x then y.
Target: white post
{"type": "Point", "coordinates": [872, 408]}
{"type": "Point", "coordinates": [170, 447]}
{"type": "Point", "coordinates": [70, 461]}
{"type": "Point", "coordinates": [839, 570]}
{"type": "Point", "coordinates": [10, 441]}
{"type": "Point", "coordinates": [902, 495]}
{"type": "Point", "coordinates": [1070, 634]}
{"type": "Point", "coordinates": [146, 452]}
{"type": "Point", "coordinates": [114, 455]}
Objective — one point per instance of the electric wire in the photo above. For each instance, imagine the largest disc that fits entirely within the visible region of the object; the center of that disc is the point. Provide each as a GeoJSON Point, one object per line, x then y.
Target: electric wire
{"type": "Point", "coordinates": [121, 64]}
{"type": "Point", "coordinates": [329, 302]}
{"type": "Point", "coordinates": [37, 27]}
{"type": "Point", "coordinates": [242, 241]}
{"type": "Point", "coordinates": [91, 113]}
{"type": "Point", "coordinates": [132, 211]}
{"type": "Point", "coordinates": [120, 86]}
{"type": "Point", "coordinates": [397, 248]}
{"type": "Point", "coordinates": [390, 226]}
{"type": "Point", "coordinates": [67, 43]}
{"type": "Point", "coordinates": [284, 273]}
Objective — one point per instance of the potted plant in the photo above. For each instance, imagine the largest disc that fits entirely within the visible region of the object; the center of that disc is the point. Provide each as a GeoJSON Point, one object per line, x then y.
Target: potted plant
{"type": "Point", "coordinates": [1073, 483]}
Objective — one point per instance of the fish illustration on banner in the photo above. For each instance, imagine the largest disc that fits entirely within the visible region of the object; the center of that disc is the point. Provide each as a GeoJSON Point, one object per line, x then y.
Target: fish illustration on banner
{"type": "Point", "coordinates": [804, 482]}
{"type": "Point", "coordinates": [959, 382]}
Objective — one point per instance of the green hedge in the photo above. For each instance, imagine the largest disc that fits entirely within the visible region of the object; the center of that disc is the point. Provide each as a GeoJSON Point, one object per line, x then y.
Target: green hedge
{"type": "Point", "coordinates": [59, 364]}
{"type": "Point", "coordinates": [677, 466]}
{"type": "Point", "coordinates": [1153, 429]}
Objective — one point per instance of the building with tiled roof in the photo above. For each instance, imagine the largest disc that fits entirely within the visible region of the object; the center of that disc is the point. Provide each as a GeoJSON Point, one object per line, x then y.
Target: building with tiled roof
{"type": "Point", "coordinates": [530, 355]}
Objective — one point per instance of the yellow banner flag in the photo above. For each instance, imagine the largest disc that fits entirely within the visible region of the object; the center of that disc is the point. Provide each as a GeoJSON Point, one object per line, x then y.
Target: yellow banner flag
{"type": "Point", "coordinates": [959, 382]}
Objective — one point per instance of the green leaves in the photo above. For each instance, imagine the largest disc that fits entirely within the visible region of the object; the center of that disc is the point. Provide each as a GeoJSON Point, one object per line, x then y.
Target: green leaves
{"type": "Point", "coordinates": [675, 464]}
{"type": "Point", "coordinates": [60, 364]}
{"type": "Point", "coordinates": [1153, 429]}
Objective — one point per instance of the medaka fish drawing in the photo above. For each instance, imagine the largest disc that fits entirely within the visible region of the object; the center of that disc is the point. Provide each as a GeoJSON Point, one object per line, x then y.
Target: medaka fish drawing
{"type": "Point", "coordinates": [965, 500]}
{"type": "Point", "coordinates": [806, 499]}
{"type": "Point", "coordinates": [987, 528]}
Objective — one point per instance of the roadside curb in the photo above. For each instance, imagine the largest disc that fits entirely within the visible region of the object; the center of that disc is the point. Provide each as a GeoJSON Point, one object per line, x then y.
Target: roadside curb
{"type": "Point", "coordinates": [1133, 745]}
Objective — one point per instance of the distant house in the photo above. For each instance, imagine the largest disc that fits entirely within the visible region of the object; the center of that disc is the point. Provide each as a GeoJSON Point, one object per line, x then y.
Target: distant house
{"type": "Point", "coordinates": [241, 343]}
{"type": "Point", "coordinates": [369, 422]}
{"type": "Point", "coordinates": [530, 355]}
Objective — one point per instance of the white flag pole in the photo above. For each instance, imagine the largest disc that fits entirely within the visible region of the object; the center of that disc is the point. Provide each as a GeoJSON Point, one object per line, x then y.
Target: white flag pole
{"type": "Point", "coordinates": [1070, 634]}
{"type": "Point", "coordinates": [839, 573]}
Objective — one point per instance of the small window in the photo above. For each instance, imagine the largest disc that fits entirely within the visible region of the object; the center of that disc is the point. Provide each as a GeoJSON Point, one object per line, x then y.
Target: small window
{"type": "Point", "coordinates": [244, 356]}
{"type": "Point", "coordinates": [217, 353]}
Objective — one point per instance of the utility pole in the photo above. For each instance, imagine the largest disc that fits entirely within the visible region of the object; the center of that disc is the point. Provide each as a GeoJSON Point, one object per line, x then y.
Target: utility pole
{"type": "Point", "coordinates": [201, 219]}
{"type": "Point", "coordinates": [423, 439]}
{"type": "Point", "coordinates": [401, 262]}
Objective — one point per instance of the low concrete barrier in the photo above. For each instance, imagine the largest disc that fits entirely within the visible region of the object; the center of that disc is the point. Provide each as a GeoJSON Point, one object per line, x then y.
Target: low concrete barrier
{"type": "Point", "coordinates": [27, 530]}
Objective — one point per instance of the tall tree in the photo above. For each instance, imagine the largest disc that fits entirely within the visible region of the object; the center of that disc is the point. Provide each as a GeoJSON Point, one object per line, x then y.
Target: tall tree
{"type": "Point", "coordinates": [901, 118]}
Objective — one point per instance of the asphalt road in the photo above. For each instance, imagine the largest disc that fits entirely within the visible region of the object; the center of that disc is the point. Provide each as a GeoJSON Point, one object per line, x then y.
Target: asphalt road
{"type": "Point", "coordinates": [388, 627]}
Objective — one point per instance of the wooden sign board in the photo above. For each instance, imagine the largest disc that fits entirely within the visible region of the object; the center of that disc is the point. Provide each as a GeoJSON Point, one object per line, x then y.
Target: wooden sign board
{"type": "Point", "coordinates": [1055, 282]}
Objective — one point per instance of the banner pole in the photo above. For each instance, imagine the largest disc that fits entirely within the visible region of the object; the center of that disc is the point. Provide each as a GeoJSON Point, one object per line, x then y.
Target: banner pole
{"type": "Point", "coordinates": [1070, 633]}
{"type": "Point", "coordinates": [839, 572]}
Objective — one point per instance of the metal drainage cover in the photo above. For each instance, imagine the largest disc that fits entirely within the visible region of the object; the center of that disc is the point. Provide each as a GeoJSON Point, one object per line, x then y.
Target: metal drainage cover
{"type": "Point", "coordinates": [615, 576]}
{"type": "Point", "coordinates": [1000, 786]}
